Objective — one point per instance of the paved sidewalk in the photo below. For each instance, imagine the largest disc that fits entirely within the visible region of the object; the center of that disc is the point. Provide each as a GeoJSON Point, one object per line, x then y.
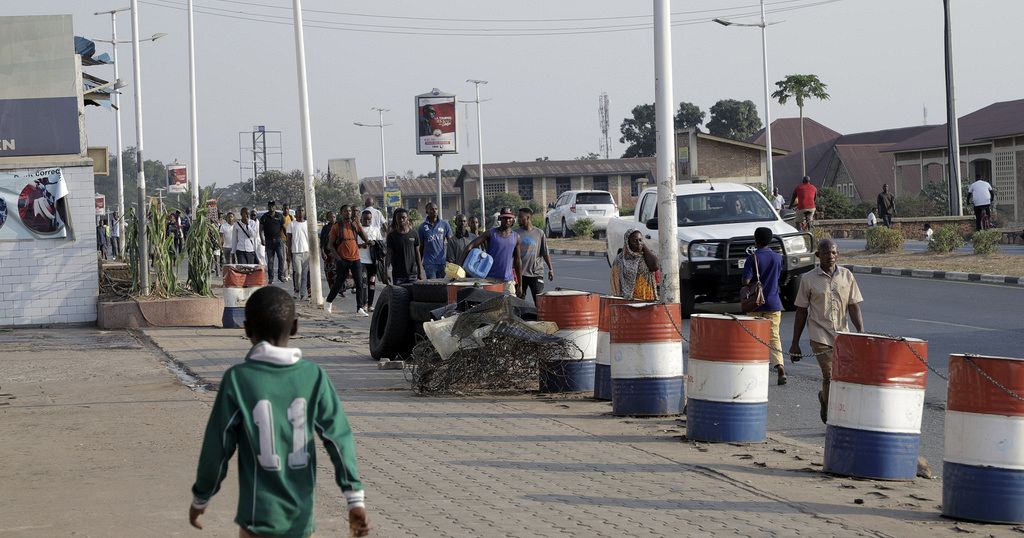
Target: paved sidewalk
{"type": "Point", "coordinates": [537, 465]}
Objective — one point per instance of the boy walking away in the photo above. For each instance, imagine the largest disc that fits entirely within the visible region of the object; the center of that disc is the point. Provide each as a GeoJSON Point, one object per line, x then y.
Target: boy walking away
{"type": "Point", "coordinates": [276, 465]}
{"type": "Point", "coordinates": [369, 252]}
{"type": "Point", "coordinates": [768, 265]}
{"type": "Point", "coordinates": [298, 245]}
{"type": "Point", "coordinates": [827, 300]}
{"type": "Point", "coordinates": [434, 234]}
{"type": "Point", "coordinates": [403, 250]}
{"type": "Point", "coordinates": [346, 250]}
{"type": "Point", "coordinates": [534, 248]}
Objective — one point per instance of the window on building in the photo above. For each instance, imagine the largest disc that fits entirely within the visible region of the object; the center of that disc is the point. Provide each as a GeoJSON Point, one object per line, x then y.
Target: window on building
{"type": "Point", "coordinates": [562, 184]}
{"type": "Point", "coordinates": [600, 183]}
{"type": "Point", "coordinates": [494, 187]}
{"type": "Point", "coordinates": [526, 188]}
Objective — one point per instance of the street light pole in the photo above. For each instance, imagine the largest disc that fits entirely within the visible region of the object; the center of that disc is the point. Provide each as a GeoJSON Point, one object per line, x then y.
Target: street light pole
{"type": "Point", "coordinates": [307, 157]}
{"type": "Point", "coordinates": [952, 128]}
{"type": "Point", "coordinates": [668, 239]}
{"type": "Point", "coordinates": [480, 148]}
{"type": "Point", "coordinates": [116, 101]}
{"type": "Point", "coordinates": [383, 162]}
{"type": "Point", "coordinates": [142, 215]}
{"type": "Point", "coordinates": [192, 112]}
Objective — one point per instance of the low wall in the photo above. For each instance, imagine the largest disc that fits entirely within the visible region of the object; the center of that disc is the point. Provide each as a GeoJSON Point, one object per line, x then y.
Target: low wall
{"type": "Point", "coordinates": [177, 312]}
{"type": "Point", "coordinates": [910, 227]}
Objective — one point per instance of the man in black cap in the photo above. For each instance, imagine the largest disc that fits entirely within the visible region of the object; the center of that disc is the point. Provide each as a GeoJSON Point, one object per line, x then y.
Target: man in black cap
{"type": "Point", "coordinates": [271, 225]}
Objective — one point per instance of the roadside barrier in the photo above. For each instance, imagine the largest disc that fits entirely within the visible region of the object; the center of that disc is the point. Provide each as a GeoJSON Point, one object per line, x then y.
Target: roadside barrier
{"type": "Point", "coordinates": [983, 471]}
{"type": "Point", "coordinates": [454, 287]}
{"type": "Point", "coordinates": [240, 282]}
{"type": "Point", "coordinates": [646, 359]}
{"type": "Point", "coordinates": [603, 365]}
{"type": "Point", "coordinates": [875, 405]}
{"type": "Point", "coordinates": [727, 379]}
{"type": "Point", "coordinates": [576, 314]}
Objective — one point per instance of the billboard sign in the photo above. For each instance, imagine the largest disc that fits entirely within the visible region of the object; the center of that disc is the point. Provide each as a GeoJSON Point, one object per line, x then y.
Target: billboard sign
{"type": "Point", "coordinates": [392, 197]}
{"type": "Point", "coordinates": [435, 117]}
{"type": "Point", "coordinates": [30, 206]}
{"type": "Point", "coordinates": [177, 179]}
{"type": "Point", "coordinates": [101, 204]}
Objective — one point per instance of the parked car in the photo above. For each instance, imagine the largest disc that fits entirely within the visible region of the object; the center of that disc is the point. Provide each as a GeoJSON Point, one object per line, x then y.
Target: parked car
{"type": "Point", "coordinates": [598, 206]}
{"type": "Point", "coordinates": [715, 228]}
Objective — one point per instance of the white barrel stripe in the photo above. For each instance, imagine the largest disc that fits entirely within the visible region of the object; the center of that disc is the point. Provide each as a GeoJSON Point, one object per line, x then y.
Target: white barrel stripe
{"type": "Point", "coordinates": [653, 359]}
{"type": "Point", "coordinates": [236, 297]}
{"type": "Point", "coordinates": [875, 408]}
{"type": "Point", "coordinates": [984, 440]}
{"type": "Point", "coordinates": [729, 382]}
{"type": "Point", "coordinates": [604, 348]}
{"type": "Point", "coordinates": [585, 338]}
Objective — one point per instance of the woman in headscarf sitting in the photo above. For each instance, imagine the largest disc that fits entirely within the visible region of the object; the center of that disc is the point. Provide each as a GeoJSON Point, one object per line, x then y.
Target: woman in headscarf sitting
{"type": "Point", "coordinates": [633, 269]}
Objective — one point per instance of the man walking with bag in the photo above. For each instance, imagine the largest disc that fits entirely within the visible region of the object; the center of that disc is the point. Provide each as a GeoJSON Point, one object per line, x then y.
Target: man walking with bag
{"type": "Point", "coordinates": [762, 268]}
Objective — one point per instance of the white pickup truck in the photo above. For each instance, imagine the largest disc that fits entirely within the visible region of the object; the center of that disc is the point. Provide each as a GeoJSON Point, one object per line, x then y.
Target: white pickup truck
{"type": "Point", "coordinates": [716, 223]}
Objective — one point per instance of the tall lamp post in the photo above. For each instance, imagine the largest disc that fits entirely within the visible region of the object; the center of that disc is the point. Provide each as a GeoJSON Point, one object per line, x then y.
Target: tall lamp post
{"type": "Point", "coordinates": [952, 129]}
{"type": "Point", "coordinates": [668, 243]}
{"type": "Point", "coordinates": [139, 162]}
{"type": "Point", "coordinates": [193, 128]}
{"type": "Point", "coordinates": [116, 102]}
{"type": "Point", "coordinates": [767, 91]}
{"type": "Point", "coordinates": [383, 162]}
{"type": "Point", "coordinates": [479, 145]}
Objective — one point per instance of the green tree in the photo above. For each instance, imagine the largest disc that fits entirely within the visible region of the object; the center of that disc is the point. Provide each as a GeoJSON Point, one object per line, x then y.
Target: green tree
{"type": "Point", "coordinates": [689, 116]}
{"type": "Point", "coordinates": [800, 88]}
{"type": "Point", "coordinates": [156, 177]}
{"type": "Point", "coordinates": [734, 119]}
{"type": "Point", "coordinates": [832, 204]}
{"type": "Point", "coordinates": [499, 200]}
{"type": "Point", "coordinates": [590, 156]}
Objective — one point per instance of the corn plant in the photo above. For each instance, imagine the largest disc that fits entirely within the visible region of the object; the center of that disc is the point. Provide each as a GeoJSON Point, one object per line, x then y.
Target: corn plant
{"type": "Point", "coordinates": [199, 245]}
{"type": "Point", "coordinates": [161, 253]}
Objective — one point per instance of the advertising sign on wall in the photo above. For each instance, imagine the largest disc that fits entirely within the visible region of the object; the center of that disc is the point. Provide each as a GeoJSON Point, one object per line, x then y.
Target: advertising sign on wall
{"type": "Point", "coordinates": [101, 204]}
{"type": "Point", "coordinates": [30, 205]}
{"type": "Point", "coordinates": [435, 116]}
{"type": "Point", "coordinates": [392, 198]}
{"type": "Point", "coordinates": [177, 179]}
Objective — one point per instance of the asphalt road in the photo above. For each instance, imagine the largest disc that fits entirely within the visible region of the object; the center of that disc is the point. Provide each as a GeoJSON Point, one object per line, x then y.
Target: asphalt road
{"type": "Point", "coordinates": [954, 317]}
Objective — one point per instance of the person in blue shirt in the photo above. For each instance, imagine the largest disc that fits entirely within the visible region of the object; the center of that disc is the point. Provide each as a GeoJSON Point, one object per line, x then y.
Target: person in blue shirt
{"type": "Point", "coordinates": [768, 267]}
{"type": "Point", "coordinates": [434, 234]}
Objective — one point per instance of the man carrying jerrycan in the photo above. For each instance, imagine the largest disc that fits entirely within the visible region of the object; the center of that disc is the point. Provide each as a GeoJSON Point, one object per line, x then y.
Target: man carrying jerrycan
{"type": "Point", "coordinates": [503, 247]}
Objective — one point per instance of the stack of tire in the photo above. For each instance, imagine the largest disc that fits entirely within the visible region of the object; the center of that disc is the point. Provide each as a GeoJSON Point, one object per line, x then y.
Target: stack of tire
{"type": "Point", "coordinates": [399, 315]}
{"type": "Point", "coordinates": [240, 282]}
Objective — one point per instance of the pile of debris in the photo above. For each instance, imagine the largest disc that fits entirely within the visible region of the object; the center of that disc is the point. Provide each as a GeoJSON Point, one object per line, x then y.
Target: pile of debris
{"type": "Point", "coordinates": [488, 348]}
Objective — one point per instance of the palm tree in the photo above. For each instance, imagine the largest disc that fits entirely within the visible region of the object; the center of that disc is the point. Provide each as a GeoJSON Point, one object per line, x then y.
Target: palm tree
{"type": "Point", "coordinates": [800, 87]}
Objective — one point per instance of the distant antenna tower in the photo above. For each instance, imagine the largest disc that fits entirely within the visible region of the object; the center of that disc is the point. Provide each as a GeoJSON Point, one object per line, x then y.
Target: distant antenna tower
{"type": "Point", "coordinates": [602, 115]}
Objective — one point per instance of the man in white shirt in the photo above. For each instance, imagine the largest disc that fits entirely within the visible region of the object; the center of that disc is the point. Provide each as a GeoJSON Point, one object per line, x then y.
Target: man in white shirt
{"type": "Point", "coordinates": [377, 218]}
{"type": "Point", "coordinates": [374, 235]}
{"type": "Point", "coordinates": [227, 239]}
{"type": "Point", "coordinates": [777, 199]}
{"type": "Point", "coordinates": [298, 241]}
{"type": "Point", "coordinates": [115, 236]}
{"type": "Point", "coordinates": [247, 234]}
{"type": "Point", "coordinates": [980, 195]}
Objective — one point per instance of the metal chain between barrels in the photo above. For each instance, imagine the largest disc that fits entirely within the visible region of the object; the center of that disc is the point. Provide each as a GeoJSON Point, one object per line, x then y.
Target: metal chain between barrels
{"type": "Point", "coordinates": [906, 342]}
{"type": "Point", "coordinates": [969, 360]}
{"type": "Point", "coordinates": [769, 346]}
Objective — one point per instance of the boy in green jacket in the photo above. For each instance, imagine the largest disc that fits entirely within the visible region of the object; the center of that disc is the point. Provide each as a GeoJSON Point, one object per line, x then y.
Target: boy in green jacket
{"type": "Point", "coordinates": [268, 407]}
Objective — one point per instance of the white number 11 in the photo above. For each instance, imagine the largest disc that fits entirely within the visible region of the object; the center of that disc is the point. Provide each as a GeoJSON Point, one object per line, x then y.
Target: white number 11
{"type": "Point", "coordinates": [263, 417]}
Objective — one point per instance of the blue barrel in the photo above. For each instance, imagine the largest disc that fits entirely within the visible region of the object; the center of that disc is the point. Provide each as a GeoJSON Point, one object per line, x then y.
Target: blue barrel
{"type": "Point", "coordinates": [727, 381]}
{"type": "Point", "coordinates": [647, 359]}
{"type": "Point", "coordinates": [983, 471]}
{"type": "Point", "coordinates": [875, 404]}
{"type": "Point", "coordinates": [576, 314]}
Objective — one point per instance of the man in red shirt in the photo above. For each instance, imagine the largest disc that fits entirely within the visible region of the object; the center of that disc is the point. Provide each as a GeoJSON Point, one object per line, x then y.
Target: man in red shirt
{"type": "Point", "coordinates": [803, 201]}
{"type": "Point", "coordinates": [345, 251]}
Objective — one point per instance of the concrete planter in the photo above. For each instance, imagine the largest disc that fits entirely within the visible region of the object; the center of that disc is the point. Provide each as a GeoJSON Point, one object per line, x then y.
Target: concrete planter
{"type": "Point", "coordinates": [176, 312]}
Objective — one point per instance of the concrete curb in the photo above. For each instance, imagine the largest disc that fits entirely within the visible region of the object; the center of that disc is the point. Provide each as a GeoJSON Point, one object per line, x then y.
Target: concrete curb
{"type": "Point", "coordinates": [1003, 280]}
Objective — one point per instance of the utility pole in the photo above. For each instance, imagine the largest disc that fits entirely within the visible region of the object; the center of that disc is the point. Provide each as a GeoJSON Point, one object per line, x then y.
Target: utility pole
{"type": "Point", "coordinates": [116, 101]}
{"type": "Point", "coordinates": [668, 239]}
{"type": "Point", "coordinates": [142, 215]}
{"type": "Point", "coordinates": [307, 157]}
{"type": "Point", "coordinates": [952, 129]}
{"type": "Point", "coordinates": [383, 162]}
{"type": "Point", "coordinates": [767, 106]}
{"type": "Point", "coordinates": [193, 128]}
{"type": "Point", "coordinates": [480, 147]}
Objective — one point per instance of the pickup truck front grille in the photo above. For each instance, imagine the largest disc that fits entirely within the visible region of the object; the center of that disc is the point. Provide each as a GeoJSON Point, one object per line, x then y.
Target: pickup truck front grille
{"type": "Point", "coordinates": [738, 249]}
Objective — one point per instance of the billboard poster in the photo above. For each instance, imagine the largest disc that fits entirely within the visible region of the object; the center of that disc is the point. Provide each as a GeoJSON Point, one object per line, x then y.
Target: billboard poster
{"type": "Point", "coordinates": [30, 205]}
{"type": "Point", "coordinates": [435, 116]}
{"type": "Point", "coordinates": [101, 205]}
{"type": "Point", "coordinates": [177, 179]}
{"type": "Point", "coordinates": [392, 198]}
{"type": "Point", "coordinates": [211, 209]}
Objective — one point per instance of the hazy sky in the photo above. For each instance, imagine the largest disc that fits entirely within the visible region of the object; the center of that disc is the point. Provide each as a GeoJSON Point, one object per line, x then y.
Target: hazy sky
{"type": "Point", "coordinates": [882, 61]}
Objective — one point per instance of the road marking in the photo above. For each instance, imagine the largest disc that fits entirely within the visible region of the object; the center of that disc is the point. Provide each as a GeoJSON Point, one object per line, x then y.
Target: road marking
{"type": "Point", "coordinates": [952, 324]}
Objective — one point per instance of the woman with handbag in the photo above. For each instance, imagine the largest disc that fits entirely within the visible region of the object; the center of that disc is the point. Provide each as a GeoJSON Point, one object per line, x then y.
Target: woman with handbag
{"type": "Point", "coordinates": [760, 294]}
{"type": "Point", "coordinates": [634, 268]}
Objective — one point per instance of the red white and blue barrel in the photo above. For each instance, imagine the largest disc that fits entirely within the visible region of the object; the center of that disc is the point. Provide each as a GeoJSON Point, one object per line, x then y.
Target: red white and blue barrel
{"type": "Point", "coordinates": [727, 379]}
{"type": "Point", "coordinates": [646, 359]}
{"type": "Point", "coordinates": [239, 285]}
{"type": "Point", "coordinates": [576, 314]}
{"type": "Point", "coordinates": [983, 471]}
{"type": "Point", "coordinates": [875, 403]}
{"type": "Point", "coordinates": [603, 366]}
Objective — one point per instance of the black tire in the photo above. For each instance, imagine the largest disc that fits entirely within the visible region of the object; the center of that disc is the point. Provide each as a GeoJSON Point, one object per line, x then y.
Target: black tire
{"type": "Point", "coordinates": [788, 293]}
{"type": "Point", "coordinates": [566, 233]}
{"type": "Point", "coordinates": [419, 311]}
{"type": "Point", "coordinates": [686, 299]}
{"type": "Point", "coordinates": [547, 229]}
{"type": "Point", "coordinates": [430, 291]}
{"type": "Point", "coordinates": [389, 326]}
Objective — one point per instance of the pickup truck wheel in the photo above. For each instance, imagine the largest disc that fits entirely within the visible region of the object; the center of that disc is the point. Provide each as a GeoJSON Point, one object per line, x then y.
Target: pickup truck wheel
{"type": "Point", "coordinates": [565, 230]}
{"type": "Point", "coordinates": [686, 299]}
{"type": "Point", "coordinates": [789, 292]}
{"type": "Point", "coordinates": [547, 229]}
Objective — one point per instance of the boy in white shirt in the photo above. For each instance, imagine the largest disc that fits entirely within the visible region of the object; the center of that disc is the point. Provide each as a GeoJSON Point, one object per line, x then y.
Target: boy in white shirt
{"type": "Point", "coordinates": [366, 254]}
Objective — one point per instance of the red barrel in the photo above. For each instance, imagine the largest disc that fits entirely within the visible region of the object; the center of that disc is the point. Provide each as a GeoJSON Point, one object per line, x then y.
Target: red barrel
{"type": "Point", "coordinates": [455, 287]}
{"type": "Point", "coordinates": [646, 359]}
{"type": "Point", "coordinates": [576, 313]}
{"type": "Point", "coordinates": [603, 368]}
{"type": "Point", "coordinates": [569, 309]}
